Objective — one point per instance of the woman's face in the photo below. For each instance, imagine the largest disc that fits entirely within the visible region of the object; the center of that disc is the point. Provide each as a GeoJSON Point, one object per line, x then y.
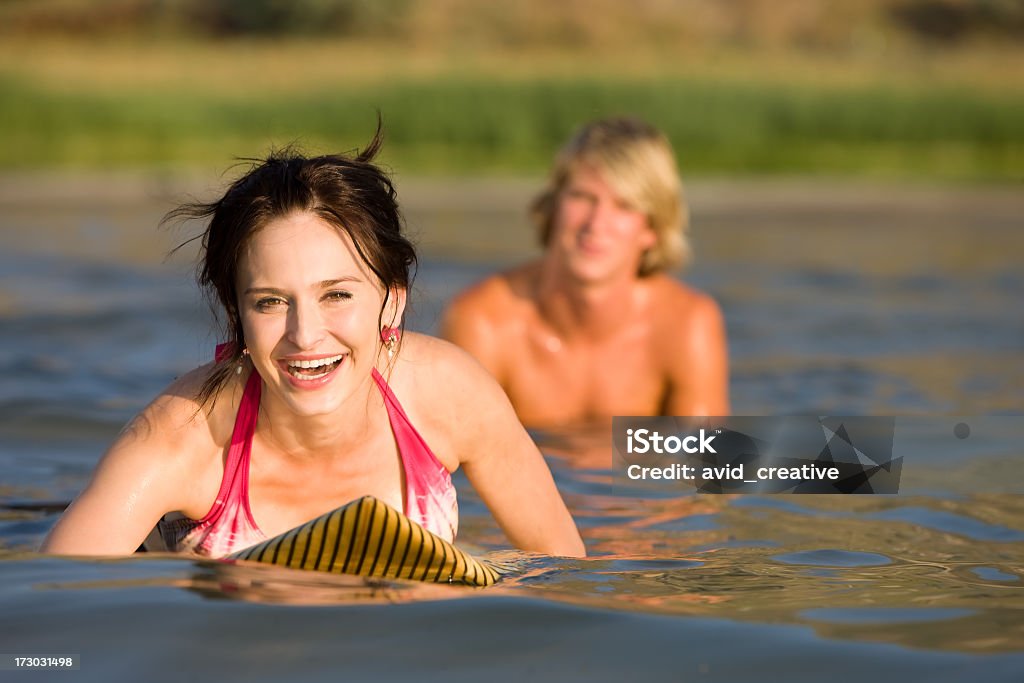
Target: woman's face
{"type": "Point", "coordinates": [309, 309]}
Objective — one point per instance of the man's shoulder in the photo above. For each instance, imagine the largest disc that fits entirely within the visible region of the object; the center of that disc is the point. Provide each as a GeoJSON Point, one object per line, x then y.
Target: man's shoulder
{"type": "Point", "coordinates": [679, 303]}
{"type": "Point", "coordinates": [485, 318]}
{"type": "Point", "coordinates": [497, 296]}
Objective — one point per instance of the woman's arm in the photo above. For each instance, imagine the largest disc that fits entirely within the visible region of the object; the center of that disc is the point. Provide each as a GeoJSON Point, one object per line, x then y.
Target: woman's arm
{"type": "Point", "coordinates": [475, 421]}
{"type": "Point", "coordinates": [144, 474]}
{"type": "Point", "coordinates": [511, 477]}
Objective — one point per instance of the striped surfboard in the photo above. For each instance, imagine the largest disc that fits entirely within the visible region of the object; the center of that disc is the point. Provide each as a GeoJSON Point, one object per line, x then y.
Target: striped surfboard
{"type": "Point", "coordinates": [369, 538]}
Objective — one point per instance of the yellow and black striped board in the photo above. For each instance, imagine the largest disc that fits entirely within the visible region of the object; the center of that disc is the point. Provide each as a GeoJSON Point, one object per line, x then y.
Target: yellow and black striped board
{"type": "Point", "coordinates": [370, 538]}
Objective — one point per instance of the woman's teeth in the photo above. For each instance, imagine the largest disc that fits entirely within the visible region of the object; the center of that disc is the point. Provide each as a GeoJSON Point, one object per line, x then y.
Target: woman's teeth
{"type": "Point", "coordinates": [313, 369]}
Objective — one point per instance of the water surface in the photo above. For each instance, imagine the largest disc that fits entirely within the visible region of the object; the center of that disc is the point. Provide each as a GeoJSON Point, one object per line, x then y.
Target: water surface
{"type": "Point", "coordinates": [842, 301]}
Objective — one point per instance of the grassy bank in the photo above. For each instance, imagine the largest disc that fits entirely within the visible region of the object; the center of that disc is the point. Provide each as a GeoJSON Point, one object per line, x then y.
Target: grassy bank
{"type": "Point", "coordinates": [456, 107]}
{"type": "Point", "coordinates": [460, 125]}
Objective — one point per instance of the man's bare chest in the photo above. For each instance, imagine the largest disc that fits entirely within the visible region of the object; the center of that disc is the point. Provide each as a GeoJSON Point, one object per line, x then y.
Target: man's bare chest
{"type": "Point", "coordinates": [565, 384]}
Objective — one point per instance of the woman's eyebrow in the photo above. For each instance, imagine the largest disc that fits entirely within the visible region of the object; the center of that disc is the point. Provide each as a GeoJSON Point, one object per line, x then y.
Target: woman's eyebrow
{"type": "Point", "coordinates": [323, 284]}
{"type": "Point", "coordinates": [262, 290]}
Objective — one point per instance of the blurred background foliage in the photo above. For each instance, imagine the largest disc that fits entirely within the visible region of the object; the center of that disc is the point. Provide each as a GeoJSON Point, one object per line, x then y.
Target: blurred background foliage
{"type": "Point", "coordinates": [808, 23]}
{"type": "Point", "coordinates": [882, 88]}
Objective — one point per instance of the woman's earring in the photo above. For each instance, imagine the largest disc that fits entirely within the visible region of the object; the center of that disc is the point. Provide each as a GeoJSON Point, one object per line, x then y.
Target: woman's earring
{"type": "Point", "coordinates": [241, 361]}
{"type": "Point", "coordinates": [390, 336]}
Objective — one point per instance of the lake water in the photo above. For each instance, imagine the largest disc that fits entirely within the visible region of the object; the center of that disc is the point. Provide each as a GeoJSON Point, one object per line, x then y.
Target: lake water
{"type": "Point", "coordinates": [857, 301]}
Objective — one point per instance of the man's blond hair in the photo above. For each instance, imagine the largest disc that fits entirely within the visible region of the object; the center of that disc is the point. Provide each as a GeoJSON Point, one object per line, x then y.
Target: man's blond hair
{"type": "Point", "coordinates": [636, 160]}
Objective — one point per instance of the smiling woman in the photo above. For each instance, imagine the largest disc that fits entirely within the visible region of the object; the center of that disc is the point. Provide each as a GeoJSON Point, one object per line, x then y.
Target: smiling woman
{"type": "Point", "coordinates": [312, 402]}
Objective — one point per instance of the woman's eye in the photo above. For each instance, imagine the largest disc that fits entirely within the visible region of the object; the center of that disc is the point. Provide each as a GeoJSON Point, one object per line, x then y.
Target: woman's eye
{"type": "Point", "coordinates": [339, 295]}
{"type": "Point", "coordinates": [268, 303]}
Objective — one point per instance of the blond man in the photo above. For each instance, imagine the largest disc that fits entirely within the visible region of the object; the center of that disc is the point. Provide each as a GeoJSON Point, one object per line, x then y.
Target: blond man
{"type": "Point", "coordinates": [595, 327]}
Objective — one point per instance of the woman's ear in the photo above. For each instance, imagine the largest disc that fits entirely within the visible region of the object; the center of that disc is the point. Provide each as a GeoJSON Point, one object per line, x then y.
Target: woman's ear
{"type": "Point", "coordinates": [395, 308]}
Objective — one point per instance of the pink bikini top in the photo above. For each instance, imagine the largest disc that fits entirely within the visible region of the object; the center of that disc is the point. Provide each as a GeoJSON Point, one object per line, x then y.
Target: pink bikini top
{"type": "Point", "coordinates": [229, 526]}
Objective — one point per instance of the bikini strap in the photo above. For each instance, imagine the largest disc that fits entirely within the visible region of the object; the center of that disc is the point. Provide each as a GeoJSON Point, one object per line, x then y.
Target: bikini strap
{"type": "Point", "coordinates": [422, 468]}
{"type": "Point", "coordinates": [235, 483]}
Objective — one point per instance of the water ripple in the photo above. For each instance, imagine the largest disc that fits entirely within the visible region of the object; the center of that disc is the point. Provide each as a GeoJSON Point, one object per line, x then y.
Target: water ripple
{"type": "Point", "coordinates": [833, 558]}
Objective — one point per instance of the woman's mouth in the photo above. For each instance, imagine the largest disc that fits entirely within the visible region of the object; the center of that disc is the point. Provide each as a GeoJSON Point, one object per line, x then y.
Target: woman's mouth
{"type": "Point", "coordinates": [309, 370]}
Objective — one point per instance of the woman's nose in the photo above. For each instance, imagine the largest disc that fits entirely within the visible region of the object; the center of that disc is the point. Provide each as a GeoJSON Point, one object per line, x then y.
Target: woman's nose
{"type": "Point", "coordinates": [305, 325]}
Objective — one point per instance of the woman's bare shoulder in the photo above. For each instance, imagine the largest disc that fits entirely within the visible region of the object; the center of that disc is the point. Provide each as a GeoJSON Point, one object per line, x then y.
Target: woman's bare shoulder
{"type": "Point", "coordinates": [434, 365]}
{"type": "Point", "coordinates": [178, 419]}
{"type": "Point", "coordinates": [445, 390]}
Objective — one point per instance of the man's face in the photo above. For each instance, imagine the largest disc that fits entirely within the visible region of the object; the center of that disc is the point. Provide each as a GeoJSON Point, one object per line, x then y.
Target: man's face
{"type": "Point", "coordinates": [597, 234]}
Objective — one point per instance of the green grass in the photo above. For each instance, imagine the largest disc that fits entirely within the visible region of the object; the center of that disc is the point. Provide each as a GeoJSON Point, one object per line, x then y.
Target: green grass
{"type": "Point", "coordinates": [460, 126]}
